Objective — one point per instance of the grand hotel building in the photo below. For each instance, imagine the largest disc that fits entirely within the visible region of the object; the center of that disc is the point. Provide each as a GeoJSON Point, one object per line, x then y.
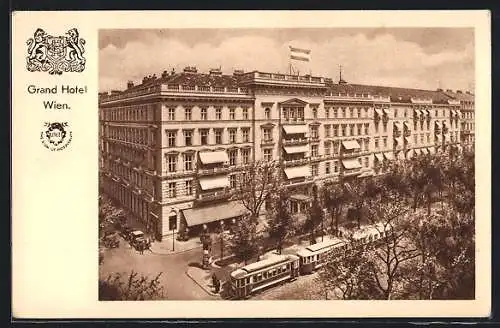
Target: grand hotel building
{"type": "Point", "coordinates": [170, 148]}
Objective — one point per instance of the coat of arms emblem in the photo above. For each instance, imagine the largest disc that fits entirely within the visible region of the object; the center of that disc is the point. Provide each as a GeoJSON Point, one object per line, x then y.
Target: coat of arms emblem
{"type": "Point", "coordinates": [56, 54]}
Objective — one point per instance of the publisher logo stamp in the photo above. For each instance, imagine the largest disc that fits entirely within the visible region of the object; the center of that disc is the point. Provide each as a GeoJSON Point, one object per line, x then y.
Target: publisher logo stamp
{"type": "Point", "coordinates": [56, 136]}
{"type": "Point", "coordinates": [55, 54]}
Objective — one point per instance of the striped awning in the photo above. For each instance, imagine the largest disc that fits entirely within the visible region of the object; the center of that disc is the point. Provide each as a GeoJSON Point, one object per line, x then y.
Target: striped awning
{"type": "Point", "coordinates": [295, 129]}
{"type": "Point", "coordinates": [297, 172]}
{"type": "Point", "coordinates": [351, 163]}
{"type": "Point", "coordinates": [350, 144]}
{"type": "Point", "coordinates": [214, 182]}
{"type": "Point", "coordinates": [296, 149]}
{"type": "Point", "coordinates": [212, 157]}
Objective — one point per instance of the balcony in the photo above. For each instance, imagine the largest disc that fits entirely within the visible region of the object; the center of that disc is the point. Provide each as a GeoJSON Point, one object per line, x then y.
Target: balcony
{"type": "Point", "coordinates": [177, 174]}
{"type": "Point", "coordinates": [295, 120]}
{"type": "Point", "coordinates": [266, 142]}
{"type": "Point", "coordinates": [350, 172]}
{"type": "Point", "coordinates": [291, 142]}
{"type": "Point", "coordinates": [213, 196]}
{"type": "Point", "coordinates": [214, 170]}
{"type": "Point", "coordinates": [296, 162]}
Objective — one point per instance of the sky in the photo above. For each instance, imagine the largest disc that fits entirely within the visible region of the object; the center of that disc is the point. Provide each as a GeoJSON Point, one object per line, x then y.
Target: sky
{"type": "Point", "coordinates": [423, 58]}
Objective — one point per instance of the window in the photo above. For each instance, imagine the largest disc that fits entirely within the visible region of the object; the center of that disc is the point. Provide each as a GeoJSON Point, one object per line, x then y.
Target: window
{"type": "Point", "coordinates": [232, 135]}
{"type": "Point", "coordinates": [404, 113]}
{"type": "Point", "coordinates": [268, 155]}
{"type": "Point", "coordinates": [335, 112]}
{"type": "Point", "coordinates": [171, 114]}
{"type": "Point", "coordinates": [189, 187]}
{"type": "Point", "coordinates": [327, 112]}
{"type": "Point", "coordinates": [367, 162]}
{"type": "Point", "coordinates": [232, 114]}
{"type": "Point", "coordinates": [187, 114]}
{"type": "Point", "coordinates": [385, 127]}
{"type": "Point", "coordinates": [385, 142]}
{"type": "Point", "coordinates": [171, 138]}
{"type": "Point", "coordinates": [245, 113]}
{"type": "Point", "coordinates": [428, 137]}
{"type": "Point", "coordinates": [367, 144]}
{"type": "Point", "coordinates": [351, 129]}
{"type": "Point", "coordinates": [232, 181]}
{"type": "Point", "coordinates": [314, 150]}
{"type": "Point", "coordinates": [367, 126]}
{"type": "Point", "coordinates": [218, 113]}
{"type": "Point", "coordinates": [376, 143]}
{"type": "Point", "coordinates": [245, 132]}
{"type": "Point", "coordinates": [233, 157]}
{"type": "Point", "coordinates": [314, 132]}
{"type": "Point", "coordinates": [396, 112]}
{"type": "Point", "coordinates": [171, 190]}
{"type": "Point", "coordinates": [267, 113]}
{"type": "Point", "coordinates": [172, 221]}
{"type": "Point", "coordinates": [360, 128]}
{"type": "Point", "coordinates": [344, 111]}
{"type": "Point", "coordinates": [218, 136]}
{"type": "Point", "coordinates": [172, 163]}
{"type": "Point", "coordinates": [267, 135]}
{"type": "Point", "coordinates": [245, 154]}
{"type": "Point", "coordinates": [204, 113]}
{"type": "Point", "coordinates": [315, 112]}
{"type": "Point", "coordinates": [204, 137]}
{"type": "Point", "coordinates": [336, 147]}
{"type": "Point", "coordinates": [314, 170]}
{"type": "Point", "coordinates": [327, 131]}
{"type": "Point", "coordinates": [335, 167]}
{"type": "Point", "coordinates": [335, 130]}
{"type": "Point", "coordinates": [351, 112]}
{"type": "Point", "coordinates": [327, 147]}
{"type": "Point", "coordinates": [359, 112]}
{"type": "Point", "coordinates": [188, 137]}
{"type": "Point", "coordinates": [188, 162]}
{"type": "Point", "coordinates": [327, 168]}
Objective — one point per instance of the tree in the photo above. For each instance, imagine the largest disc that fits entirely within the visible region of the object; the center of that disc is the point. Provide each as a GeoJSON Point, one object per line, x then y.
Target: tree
{"type": "Point", "coordinates": [279, 219]}
{"type": "Point", "coordinates": [244, 242]}
{"type": "Point", "coordinates": [334, 198]}
{"type": "Point", "coordinates": [393, 249]}
{"type": "Point", "coordinates": [347, 274]}
{"type": "Point", "coordinates": [255, 184]}
{"type": "Point", "coordinates": [315, 215]}
{"type": "Point", "coordinates": [134, 288]}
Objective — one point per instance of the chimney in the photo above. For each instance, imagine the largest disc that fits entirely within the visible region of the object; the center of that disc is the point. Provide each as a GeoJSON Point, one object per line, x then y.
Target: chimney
{"type": "Point", "coordinates": [468, 92]}
{"type": "Point", "coordinates": [449, 90]}
{"type": "Point", "coordinates": [439, 90]}
{"type": "Point", "coordinates": [164, 74]}
{"type": "Point", "coordinates": [459, 91]}
{"type": "Point", "coordinates": [215, 71]}
{"type": "Point", "coordinates": [130, 84]}
{"type": "Point", "coordinates": [190, 69]}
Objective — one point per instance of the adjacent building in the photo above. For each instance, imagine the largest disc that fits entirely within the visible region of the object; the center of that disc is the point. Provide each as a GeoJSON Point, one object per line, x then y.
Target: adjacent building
{"type": "Point", "coordinates": [171, 147]}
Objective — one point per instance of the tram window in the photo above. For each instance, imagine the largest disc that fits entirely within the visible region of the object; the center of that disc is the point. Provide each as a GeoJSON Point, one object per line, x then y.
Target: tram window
{"type": "Point", "coordinates": [283, 268]}
{"type": "Point", "coordinates": [248, 280]}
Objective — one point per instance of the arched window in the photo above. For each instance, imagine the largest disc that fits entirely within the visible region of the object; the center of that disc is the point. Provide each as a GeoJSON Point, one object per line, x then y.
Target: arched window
{"type": "Point", "coordinates": [267, 113]}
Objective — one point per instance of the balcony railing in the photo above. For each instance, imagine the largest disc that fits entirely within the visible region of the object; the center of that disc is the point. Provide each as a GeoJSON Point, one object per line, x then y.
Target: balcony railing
{"type": "Point", "coordinates": [351, 171]}
{"type": "Point", "coordinates": [295, 162]}
{"type": "Point", "coordinates": [214, 170]}
{"type": "Point", "coordinates": [211, 196]}
{"type": "Point", "coordinates": [291, 142]}
{"type": "Point", "coordinates": [295, 120]}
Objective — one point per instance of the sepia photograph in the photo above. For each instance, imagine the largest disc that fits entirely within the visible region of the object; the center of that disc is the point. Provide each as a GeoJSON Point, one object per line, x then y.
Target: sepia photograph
{"type": "Point", "coordinates": [286, 164]}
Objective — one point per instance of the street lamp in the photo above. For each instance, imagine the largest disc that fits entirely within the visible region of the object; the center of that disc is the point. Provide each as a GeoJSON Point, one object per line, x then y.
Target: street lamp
{"type": "Point", "coordinates": [173, 239]}
{"type": "Point", "coordinates": [322, 224]}
{"type": "Point", "coordinates": [221, 239]}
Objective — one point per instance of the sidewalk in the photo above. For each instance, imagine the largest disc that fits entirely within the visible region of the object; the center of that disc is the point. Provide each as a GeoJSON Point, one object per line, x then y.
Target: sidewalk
{"type": "Point", "coordinates": [170, 247]}
{"type": "Point", "coordinates": [202, 278]}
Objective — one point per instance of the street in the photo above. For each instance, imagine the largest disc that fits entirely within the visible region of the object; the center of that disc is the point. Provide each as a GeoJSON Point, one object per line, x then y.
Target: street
{"type": "Point", "coordinates": [178, 286]}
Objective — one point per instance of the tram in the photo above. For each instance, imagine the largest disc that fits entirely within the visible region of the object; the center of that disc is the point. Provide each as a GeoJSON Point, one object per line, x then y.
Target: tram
{"type": "Point", "coordinates": [315, 256]}
{"type": "Point", "coordinates": [263, 274]}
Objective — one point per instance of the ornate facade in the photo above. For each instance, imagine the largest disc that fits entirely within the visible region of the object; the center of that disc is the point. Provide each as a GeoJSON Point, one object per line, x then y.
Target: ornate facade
{"type": "Point", "coordinates": [171, 147]}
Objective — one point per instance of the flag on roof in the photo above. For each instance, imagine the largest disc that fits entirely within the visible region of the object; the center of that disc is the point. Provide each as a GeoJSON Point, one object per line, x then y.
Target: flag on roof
{"type": "Point", "coordinates": [300, 54]}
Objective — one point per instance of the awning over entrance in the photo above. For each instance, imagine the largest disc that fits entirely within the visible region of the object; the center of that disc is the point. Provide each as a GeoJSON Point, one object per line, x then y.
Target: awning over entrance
{"type": "Point", "coordinates": [300, 197]}
{"type": "Point", "coordinates": [389, 156]}
{"type": "Point", "coordinates": [295, 129]}
{"type": "Point", "coordinates": [351, 164]}
{"type": "Point", "coordinates": [212, 157]}
{"type": "Point", "coordinates": [296, 149]}
{"type": "Point", "coordinates": [207, 214]}
{"type": "Point", "coordinates": [380, 157]}
{"type": "Point", "coordinates": [350, 144]}
{"type": "Point", "coordinates": [297, 172]}
{"type": "Point", "coordinates": [214, 182]}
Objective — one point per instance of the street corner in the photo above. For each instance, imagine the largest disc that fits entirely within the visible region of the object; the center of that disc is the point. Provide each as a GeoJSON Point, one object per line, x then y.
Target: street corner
{"type": "Point", "coordinates": [202, 278]}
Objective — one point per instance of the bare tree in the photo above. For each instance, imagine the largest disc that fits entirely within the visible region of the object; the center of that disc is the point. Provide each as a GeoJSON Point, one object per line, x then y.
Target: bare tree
{"type": "Point", "coordinates": [279, 219]}
{"type": "Point", "coordinates": [254, 185]}
{"type": "Point", "coordinates": [133, 287]}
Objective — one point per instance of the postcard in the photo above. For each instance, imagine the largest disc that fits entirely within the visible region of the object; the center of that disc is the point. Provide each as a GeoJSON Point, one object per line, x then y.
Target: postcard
{"type": "Point", "coordinates": [264, 164]}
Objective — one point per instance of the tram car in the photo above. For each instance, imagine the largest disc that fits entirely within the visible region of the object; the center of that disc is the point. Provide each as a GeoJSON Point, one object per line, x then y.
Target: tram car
{"type": "Point", "coordinates": [263, 274]}
{"type": "Point", "coordinates": [315, 256]}
{"type": "Point", "coordinates": [370, 234]}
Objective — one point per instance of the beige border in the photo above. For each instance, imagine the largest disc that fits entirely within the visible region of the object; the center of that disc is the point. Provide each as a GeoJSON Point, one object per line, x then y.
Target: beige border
{"type": "Point", "coordinates": [54, 193]}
